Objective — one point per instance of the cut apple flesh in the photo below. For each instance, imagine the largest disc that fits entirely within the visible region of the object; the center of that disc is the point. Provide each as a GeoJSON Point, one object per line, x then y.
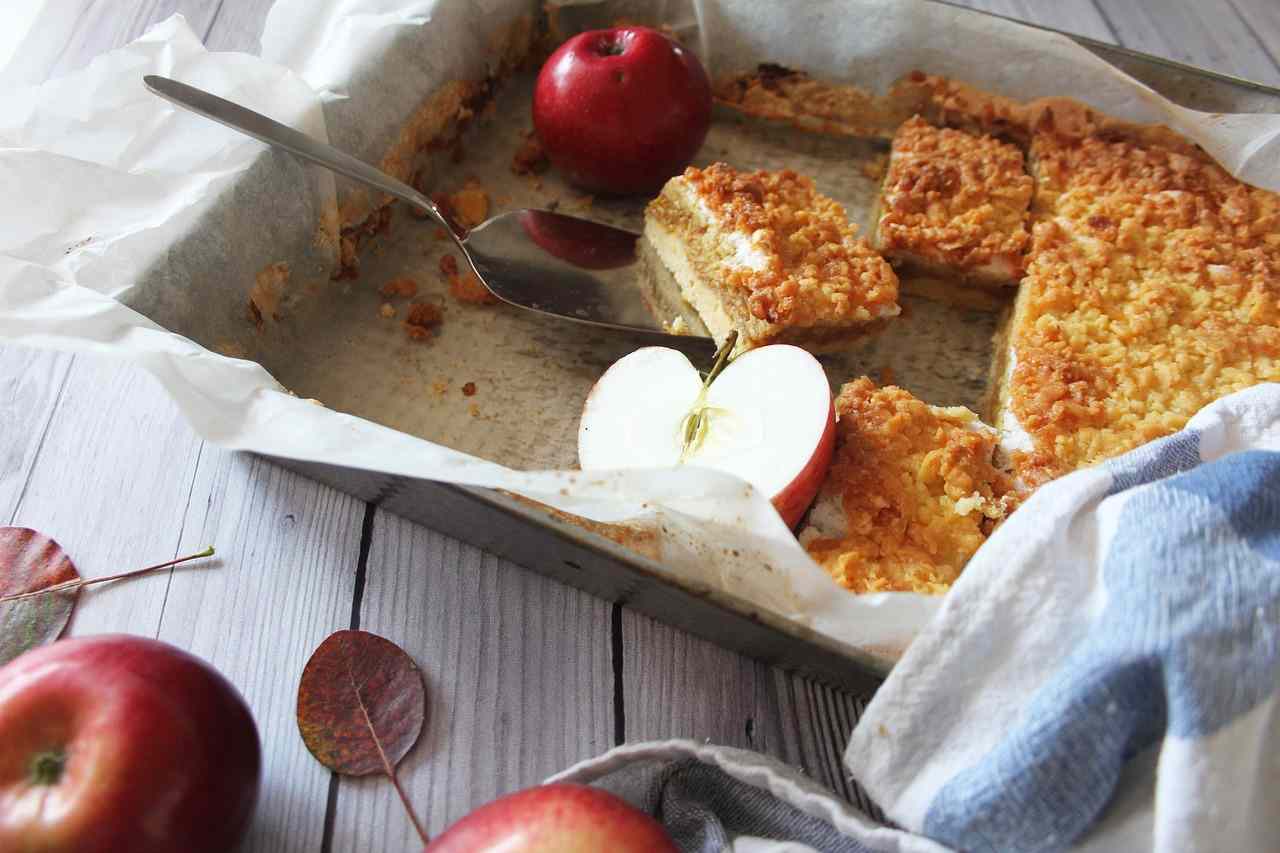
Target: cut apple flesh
{"type": "Point", "coordinates": [768, 418]}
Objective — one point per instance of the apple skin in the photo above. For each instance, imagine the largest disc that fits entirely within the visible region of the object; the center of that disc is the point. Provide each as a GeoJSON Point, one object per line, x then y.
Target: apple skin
{"type": "Point", "coordinates": [621, 110]}
{"type": "Point", "coordinates": [160, 752]}
{"type": "Point", "coordinates": [555, 818]}
{"type": "Point", "coordinates": [793, 500]}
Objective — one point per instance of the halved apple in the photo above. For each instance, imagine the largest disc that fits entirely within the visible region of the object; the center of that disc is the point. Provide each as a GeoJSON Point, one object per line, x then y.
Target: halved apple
{"type": "Point", "coordinates": [768, 418]}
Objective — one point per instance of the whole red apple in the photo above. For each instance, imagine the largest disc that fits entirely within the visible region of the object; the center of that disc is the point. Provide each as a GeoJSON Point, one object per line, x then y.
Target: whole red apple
{"type": "Point", "coordinates": [557, 818]}
{"type": "Point", "coordinates": [118, 743]}
{"type": "Point", "coordinates": [621, 110]}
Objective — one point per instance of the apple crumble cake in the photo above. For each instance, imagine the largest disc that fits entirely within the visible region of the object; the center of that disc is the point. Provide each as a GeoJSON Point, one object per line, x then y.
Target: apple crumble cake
{"type": "Point", "coordinates": [955, 204]}
{"type": "Point", "coordinates": [1152, 289]}
{"type": "Point", "coordinates": [765, 254]}
{"type": "Point", "coordinates": [912, 493]}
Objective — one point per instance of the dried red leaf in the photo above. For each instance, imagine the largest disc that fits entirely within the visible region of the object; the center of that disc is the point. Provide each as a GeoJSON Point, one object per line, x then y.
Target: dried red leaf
{"type": "Point", "coordinates": [361, 703]}
{"type": "Point", "coordinates": [30, 562]}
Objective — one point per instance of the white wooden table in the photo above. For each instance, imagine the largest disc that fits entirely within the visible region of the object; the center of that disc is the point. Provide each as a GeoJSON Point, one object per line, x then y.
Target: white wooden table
{"type": "Point", "coordinates": [525, 676]}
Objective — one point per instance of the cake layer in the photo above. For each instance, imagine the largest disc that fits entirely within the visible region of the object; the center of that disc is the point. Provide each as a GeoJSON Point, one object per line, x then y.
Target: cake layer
{"type": "Point", "coordinates": [1152, 289]}
{"type": "Point", "coordinates": [765, 254]}
{"type": "Point", "coordinates": [912, 493]}
{"type": "Point", "coordinates": [955, 204]}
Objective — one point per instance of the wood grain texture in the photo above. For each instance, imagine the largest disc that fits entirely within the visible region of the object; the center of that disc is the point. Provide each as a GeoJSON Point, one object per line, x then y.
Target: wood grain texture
{"type": "Point", "coordinates": [1262, 18]}
{"type": "Point", "coordinates": [30, 384]}
{"type": "Point", "coordinates": [237, 25]}
{"type": "Point", "coordinates": [518, 671]}
{"type": "Point", "coordinates": [1078, 17]}
{"type": "Point", "coordinates": [679, 686]}
{"type": "Point", "coordinates": [111, 483]}
{"type": "Point", "coordinates": [72, 32]}
{"type": "Point", "coordinates": [1210, 35]}
{"type": "Point", "coordinates": [283, 580]}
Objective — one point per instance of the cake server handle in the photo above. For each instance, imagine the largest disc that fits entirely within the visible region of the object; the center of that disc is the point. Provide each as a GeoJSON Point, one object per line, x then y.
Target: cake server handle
{"type": "Point", "coordinates": [274, 133]}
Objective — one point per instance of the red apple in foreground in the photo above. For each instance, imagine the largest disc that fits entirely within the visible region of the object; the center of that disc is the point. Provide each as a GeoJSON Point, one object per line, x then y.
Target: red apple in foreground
{"type": "Point", "coordinates": [119, 743]}
{"type": "Point", "coordinates": [621, 110]}
{"type": "Point", "coordinates": [558, 818]}
{"type": "Point", "coordinates": [769, 419]}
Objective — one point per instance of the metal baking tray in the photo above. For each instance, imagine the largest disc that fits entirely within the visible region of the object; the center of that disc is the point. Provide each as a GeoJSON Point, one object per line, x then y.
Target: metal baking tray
{"type": "Point", "coordinates": [557, 548]}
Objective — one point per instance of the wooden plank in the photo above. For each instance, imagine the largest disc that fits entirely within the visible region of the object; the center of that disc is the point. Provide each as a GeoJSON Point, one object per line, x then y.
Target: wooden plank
{"type": "Point", "coordinates": [1210, 35]}
{"type": "Point", "coordinates": [1079, 17]}
{"type": "Point", "coordinates": [519, 680]}
{"type": "Point", "coordinates": [678, 686]}
{"type": "Point", "coordinates": [72, 32]}
{"type": "Point", "coordinates": [1262, 18]}
{"type": "Point", "coordinates": [283, 580]}
{"type": "Point", "coordinates": [237, 25]}
{"type": "Point", "coordinates": [111, 483]}
{"type": "Point", "coordinates": [30, 383]}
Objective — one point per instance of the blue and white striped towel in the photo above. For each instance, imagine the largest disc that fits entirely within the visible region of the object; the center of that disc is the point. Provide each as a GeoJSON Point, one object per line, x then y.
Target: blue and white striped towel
{"type": "Point", "coordinates": [1105, 673]}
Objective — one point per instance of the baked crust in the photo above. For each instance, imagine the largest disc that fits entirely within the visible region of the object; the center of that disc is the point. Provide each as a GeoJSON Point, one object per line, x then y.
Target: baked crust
{"type": "Point", "coordinates": [766, 254]}
{"type": "Point", "coordinates": [955, 203]}
{"type": "Point", "coordinates": [1152, 289]}
{"type": "Point", "coordinates": [911, 495]}
{"type": "Point", "coordinates": [781, 94]}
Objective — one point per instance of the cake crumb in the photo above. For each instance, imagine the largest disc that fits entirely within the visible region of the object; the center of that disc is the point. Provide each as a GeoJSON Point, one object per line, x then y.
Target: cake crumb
{"type": "Point", "coordinates": [469, 389]}
{"type": "Point", "coordinates": [530, 158]}
{"type": "Point", "coordinates": [387, 310]}
{"type": "Point", "coordinates": [473, 410]}
{"type": "Point", "coordinates": [470, 204]}
{"type": "Point", "coordinates": [268, 288]}
{"type": "Point", "coordinates": [448, 265]}
{"type": "Point", "coordinates": [874, 168]}
{"type": "Point", "coordinates": [423, 316]}
{"type": "Point", "coordinates": [441, 235]}
{"type": "Point", "coordinates": [468, 289]}
{"type": "Point", "coordinates": [440, 387]}
{"type": "Point", "coordinates": [444, 204]}
{"type": "Point", "coordinates": [402, 286]}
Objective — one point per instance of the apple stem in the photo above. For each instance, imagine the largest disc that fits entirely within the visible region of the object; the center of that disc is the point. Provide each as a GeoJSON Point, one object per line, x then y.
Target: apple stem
{"type": "Point", "coordinates": [695, 423]}
{"type": "Point", "coordinates": [81, 582]}
{"type": "Point", "coordinates": [722, 358]}
{"type": "Point", "coordinates": [404, 798]}
{"type": "Point", "coordinates": [46, 768]}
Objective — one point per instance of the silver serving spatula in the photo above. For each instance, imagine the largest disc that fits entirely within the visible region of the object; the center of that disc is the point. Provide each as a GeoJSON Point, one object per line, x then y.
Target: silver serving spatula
{"type": "Point", "coordinates": [536, 259]}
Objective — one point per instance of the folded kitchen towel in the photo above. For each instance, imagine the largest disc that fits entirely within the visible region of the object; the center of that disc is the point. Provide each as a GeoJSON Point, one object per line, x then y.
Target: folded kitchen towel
{"type": "Point", "coordinates": [1105, 672]}
{"type": "Point", "coordinates": [1103, 676]}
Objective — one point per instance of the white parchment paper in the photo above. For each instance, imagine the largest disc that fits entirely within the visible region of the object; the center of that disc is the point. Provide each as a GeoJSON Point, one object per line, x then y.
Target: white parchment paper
{"type": "Point", "coordinates": [125, 216]}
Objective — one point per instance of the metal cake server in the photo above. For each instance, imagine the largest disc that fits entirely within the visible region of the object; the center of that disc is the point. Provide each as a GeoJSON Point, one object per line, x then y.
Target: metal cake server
{"type": "Point", "coordinates": [536, 259]}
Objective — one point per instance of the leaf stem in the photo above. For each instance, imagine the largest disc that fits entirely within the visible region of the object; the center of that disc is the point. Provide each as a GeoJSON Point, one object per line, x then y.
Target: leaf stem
{"type": "Point", "coordinates": [387, 766]}
{"type": "Point", "coordinates": [404, 798]}
{"type": "Point", "coordinates": [81, 582]}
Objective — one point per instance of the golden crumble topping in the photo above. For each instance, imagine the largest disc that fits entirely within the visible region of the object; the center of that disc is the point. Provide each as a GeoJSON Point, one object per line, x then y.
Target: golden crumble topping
{"type": "Point", "coordinates": [956, 200]}
{"type": "Point", "coordinates": [1152, 289]}
{"type": "Point", "coordinates": [775, 92]}
{"type": "Point", "coordinates": [811, 269]}
{"type": "Point", "coordinates": [917, 489]}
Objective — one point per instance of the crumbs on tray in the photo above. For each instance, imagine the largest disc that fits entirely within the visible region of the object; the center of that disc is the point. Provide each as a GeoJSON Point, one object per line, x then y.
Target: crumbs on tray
{"type": "Point", "coordinates": [401, 286]}
{"type": "Point", "coordinates": [465, 287]}
{"type": "Point", "coordinates": [423, 317]}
